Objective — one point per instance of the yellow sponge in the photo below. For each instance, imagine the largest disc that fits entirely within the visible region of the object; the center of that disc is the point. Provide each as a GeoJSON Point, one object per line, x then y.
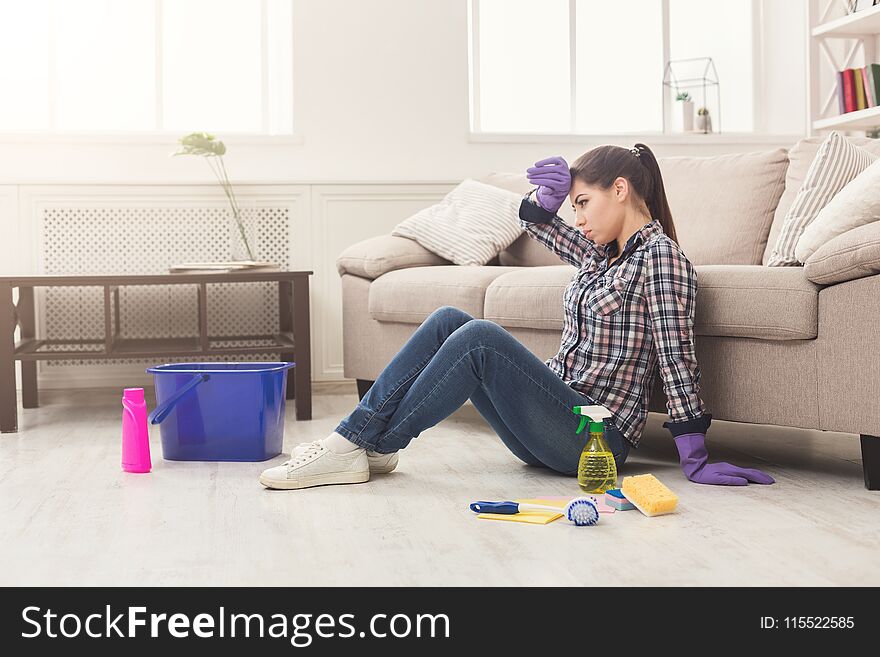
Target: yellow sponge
{"type": "Point", "coordinates": [649, 495]}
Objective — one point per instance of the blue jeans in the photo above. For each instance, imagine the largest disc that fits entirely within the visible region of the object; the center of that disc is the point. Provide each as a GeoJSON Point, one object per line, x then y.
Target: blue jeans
{"type": "Point", "coordinates": [453, 357]}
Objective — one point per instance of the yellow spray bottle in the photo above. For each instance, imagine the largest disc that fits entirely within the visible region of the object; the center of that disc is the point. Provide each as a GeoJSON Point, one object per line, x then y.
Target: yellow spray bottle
{"type": "Point", "coordinates": [597, 470]}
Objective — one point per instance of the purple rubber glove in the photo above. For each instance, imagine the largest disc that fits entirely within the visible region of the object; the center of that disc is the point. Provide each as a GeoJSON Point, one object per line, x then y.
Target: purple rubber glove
{"type": "Point", "coordinates": [554, 180]}
{"type": "Point", "coordinates": [694, 463]}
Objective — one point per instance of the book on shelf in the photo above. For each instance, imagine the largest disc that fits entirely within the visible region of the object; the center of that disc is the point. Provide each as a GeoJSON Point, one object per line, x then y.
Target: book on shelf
{"type": "Point", "coordinates": [872, 83]}
{"type": "Point", "coordinates": [858, 88]}
{"type": "Point", "coordinates": [228, 266]}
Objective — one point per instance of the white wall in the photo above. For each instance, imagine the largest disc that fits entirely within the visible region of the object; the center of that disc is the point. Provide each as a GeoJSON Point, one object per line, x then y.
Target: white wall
{"type": "Point", "coordinates": [382, 108]}
{"type": "Point", "coordinates": [784, 84]}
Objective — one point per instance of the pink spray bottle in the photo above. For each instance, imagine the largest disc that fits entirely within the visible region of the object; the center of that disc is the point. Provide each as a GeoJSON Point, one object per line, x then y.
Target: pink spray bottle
{"type": "Point", "coordinates": [135, 435]}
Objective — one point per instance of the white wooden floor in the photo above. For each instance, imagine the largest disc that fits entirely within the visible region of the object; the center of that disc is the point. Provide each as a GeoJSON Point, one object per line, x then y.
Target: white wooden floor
{"type": "Point", "coordinates": [70, 516]}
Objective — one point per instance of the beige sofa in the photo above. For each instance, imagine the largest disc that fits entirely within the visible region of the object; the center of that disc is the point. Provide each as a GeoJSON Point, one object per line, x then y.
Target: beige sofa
{"type": "Point", "coordinates": [791, 346]}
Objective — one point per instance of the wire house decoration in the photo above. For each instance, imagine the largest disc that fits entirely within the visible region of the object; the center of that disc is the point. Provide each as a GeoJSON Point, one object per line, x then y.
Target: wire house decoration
{"type": "Point", "coordinates": [698, 77]}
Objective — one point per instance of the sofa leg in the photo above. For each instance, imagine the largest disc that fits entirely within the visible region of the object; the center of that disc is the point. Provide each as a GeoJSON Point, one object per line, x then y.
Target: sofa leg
{"type": "Point", "coordinates": [363, 387]}
{"type": "Point", "coordinates": [871, 461]}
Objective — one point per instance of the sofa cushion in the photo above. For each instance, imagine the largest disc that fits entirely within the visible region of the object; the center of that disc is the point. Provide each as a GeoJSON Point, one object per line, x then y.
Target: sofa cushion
{"type": "Point", "coordinates": [748, 301]}
{"type": "Point", "coordinates": [800, 157]}
{"type": "Point", "coordinates": [723, 205]}
{"type": "Point", "coordinates": [854, 254]}
{"type": "Point", "coordinates": [753, 301]}
{"type": "Point", "coordinates": [410, 295]}
{"type": "Point", "coordinates": [526, 251]}
{"type": "Point", "coordinates": [375, 256]}
{"type": "Point", "coordinates": [529, 297]}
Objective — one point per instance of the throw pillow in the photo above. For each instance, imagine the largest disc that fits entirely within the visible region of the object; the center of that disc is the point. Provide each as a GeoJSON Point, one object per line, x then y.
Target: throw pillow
{"type": "Point", "coordinates": [800, 157]}
{"type": "Point", "coordinates": [470, 226]}
{"type": "Point", "coordinates": [854, 254]}
{"type": "Point", "coordinates": [837, 162]}
{"type": "Point", "coordinates": [855, 205]}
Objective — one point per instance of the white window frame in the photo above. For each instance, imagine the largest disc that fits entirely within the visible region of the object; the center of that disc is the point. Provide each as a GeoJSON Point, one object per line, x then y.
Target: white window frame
{"type": "Point", "coordinates": [759, 135]}
{"type": "Point", "coordinates": [160, 135]}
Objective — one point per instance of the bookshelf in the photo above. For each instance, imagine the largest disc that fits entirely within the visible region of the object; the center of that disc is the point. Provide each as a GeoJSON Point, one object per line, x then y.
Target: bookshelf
{"type": "Point", "coordinates": [838, 40]}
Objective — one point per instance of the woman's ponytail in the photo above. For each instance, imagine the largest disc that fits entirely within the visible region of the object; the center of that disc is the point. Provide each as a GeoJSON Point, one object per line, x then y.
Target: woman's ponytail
{"type": "Point", "coordinates": [655, 197]}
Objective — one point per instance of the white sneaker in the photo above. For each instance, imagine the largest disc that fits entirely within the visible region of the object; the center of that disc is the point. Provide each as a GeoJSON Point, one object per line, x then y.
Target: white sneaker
{"type": "Point", "coordinates": [315, 465]}
{"type": "Point", "coordinates": [379, 463]}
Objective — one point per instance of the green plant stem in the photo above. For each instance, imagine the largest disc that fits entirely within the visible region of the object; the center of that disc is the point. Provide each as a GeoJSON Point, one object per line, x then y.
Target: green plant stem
{"type": "Point", "coordinates": [220, 173]}
{"type": "Point", "coordinates": [224, 184]}
{"type": "Point", "coordinates": [231, 191]}
{"type": "Point", "coordinates": [238, 210]}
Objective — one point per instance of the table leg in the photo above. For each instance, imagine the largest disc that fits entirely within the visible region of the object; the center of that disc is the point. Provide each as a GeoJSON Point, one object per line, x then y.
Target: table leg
{"type": "Point", "coordinates": [302, 346]}
{"type": "Point", "coordinates": [28, 321]}
{"type": "Point", "coordinates": [204, 343]}
{"type": "Point", "coordinates": [285, 325]}
{"type": "Point", "coordinates": [8, 401]}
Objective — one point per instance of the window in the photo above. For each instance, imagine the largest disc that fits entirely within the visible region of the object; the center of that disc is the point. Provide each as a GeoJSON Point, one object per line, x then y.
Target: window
{"type": "Point", "coordinates": [145, 66]}
{"type": "Point", "coordinates": [594, 67]}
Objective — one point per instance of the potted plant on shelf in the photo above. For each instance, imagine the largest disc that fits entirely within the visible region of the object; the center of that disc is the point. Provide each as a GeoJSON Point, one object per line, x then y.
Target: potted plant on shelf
{"type": "Point", "coordinates": [687, 110]}
{"type": "Point", "coordinates": [704, 121]}
{"type": "Point", "coordinates": [242, 252]}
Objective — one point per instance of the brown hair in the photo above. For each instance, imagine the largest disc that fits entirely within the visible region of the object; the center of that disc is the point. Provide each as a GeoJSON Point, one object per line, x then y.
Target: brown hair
{"type": "Point", "coordinates": [600, 167]}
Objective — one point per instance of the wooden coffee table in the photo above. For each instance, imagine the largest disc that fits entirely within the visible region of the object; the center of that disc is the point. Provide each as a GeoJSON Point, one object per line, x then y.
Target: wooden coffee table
{"type": "Point", "coordinates": [292, 341]}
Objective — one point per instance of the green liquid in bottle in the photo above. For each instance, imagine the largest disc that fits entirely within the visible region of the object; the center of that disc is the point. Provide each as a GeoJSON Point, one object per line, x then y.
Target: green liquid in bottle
{"type": "Point", "coordinates": [597, 471]}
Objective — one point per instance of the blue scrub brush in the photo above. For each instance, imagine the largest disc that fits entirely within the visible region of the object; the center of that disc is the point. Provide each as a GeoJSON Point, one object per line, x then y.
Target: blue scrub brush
{"type": "Point", "coordinates": [582, 511]}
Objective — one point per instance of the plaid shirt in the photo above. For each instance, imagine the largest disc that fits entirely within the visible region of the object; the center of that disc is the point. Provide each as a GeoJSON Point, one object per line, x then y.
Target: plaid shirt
{"type": "Point", "coordinates": [623, 319]}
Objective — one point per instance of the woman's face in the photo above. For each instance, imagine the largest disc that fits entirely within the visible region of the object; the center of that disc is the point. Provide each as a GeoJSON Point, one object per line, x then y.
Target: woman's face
{"type": "Point", "coordinates": [600, 213]}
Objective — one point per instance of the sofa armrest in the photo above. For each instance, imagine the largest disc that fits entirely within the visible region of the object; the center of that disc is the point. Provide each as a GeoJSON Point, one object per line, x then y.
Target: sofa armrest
{"type": "Point", "coordinates": [853, 254]}
{"type": "Point", "coordinates": [375, 256]}
{"type": "Point", "coordinates": [848, 359]}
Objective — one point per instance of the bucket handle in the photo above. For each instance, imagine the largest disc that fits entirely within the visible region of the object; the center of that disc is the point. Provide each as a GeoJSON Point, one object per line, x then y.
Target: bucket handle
{"type": "Point", "coordinates": [162, 411]}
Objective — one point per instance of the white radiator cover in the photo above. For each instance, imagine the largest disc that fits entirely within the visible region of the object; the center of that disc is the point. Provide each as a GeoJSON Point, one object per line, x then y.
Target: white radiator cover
{"type": "Point", "coordinates": [82, 240]}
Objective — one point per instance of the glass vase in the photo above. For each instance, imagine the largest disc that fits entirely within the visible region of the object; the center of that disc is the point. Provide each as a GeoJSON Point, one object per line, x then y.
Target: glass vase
{"type": "Point", "coordinates": [243, 235]}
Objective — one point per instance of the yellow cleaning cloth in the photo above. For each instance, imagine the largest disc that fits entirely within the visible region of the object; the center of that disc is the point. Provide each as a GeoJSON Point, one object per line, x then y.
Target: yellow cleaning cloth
{"type": "Point", "coordinates": [531, 517]}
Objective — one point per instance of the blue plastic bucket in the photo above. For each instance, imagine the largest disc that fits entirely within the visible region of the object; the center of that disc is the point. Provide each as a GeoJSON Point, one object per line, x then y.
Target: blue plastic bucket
{"type": "Point", "coordinates": [220, 411]}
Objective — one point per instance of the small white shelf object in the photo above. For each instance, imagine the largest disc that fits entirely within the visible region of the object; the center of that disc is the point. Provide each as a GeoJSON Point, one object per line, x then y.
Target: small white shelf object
{"type": "Point", "coordinates": [837, 40]}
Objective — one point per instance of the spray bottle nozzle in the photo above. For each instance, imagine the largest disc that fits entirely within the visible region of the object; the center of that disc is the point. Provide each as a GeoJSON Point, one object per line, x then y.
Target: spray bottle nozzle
{"type": "Point", "coordinates": [592, 414]}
